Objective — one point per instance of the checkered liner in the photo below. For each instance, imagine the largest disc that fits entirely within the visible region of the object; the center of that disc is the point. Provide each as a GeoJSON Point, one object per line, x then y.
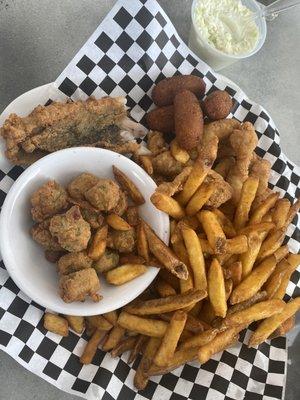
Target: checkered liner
{"type": "Point", "coordinates": [134, 47]}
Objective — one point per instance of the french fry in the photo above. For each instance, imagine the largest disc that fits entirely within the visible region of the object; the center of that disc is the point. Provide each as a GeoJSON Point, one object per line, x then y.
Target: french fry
{"type": "Point", "coordinates": [228, 283]}
{"type": "Point", "coordinates": [200, 339]}
{"type": "Point", "coordinates": [216, 288]}
{"type": "Point", "coordinates": [249, 257]}
{"type": "Point", "coordinates": [111, 316]}
{"type": "Point", "coordinates": [92, 346]}
{"type": "Point", "coordinates": [293, 261]}
{"type": "Point", "coordinates": [180, 251]}
{"type": "Point", "coordinates": [272, 243]}
{"type": "Point", "coordinates": [220, 342]}
{"type": "Point", "coordinates": [180, 357]}
{"type": "Point", "coordinates": [281, 253]}
{"type": "Point", "coordinates": [207, 313]}
{"type": "Point", "coordinates": [142, 243]}
{"type": "Point", "coordinates": [114, 337]}
{"type": "Point", "coordinates": [170, 278]}
{"type": "Point", "coordinates": [263, 208]}
{"type": "Point", "coordinates": [164, 289]}
{"type": "Point", "coordinates": [280, 212]}
{"type": "Point", "coordinates": [199, 198]}
{"type": "Point", "coordinates": [190, 221]}
{"type": "Point", "coordinates": [128, 186]}
{"type": "Point", "coordinates": [169, 342]}
{"type": "Point", "coordinates": [225, 223]}
{"type": "Point", "coordinates": [99, 322]}
{"type": "Point", "coordinates": [262, 227]}
{"type": "Point", "coordinates": [76, 323]}
{"type": "Point", "coordinates": [192, 324]}
{"type": "Point", "coordinates": [146, 162]}
{"type": "Point", "coordinates": [56, 324]}
{"type": "Point", "coordinates": [98, 245]}
{"type": "Point", "coordinates": [178, 153]}
{"type": "Point", "coordinates": [130, 258]}
{"type": "Point", "coordinates": [293, 212]}
{"type": "Point", "coordinates": [141, 379]}
{"type": "Point", "coordinates": [123, 346]}
{"type": "Point", "coordinates": [274, 282]}
{"type": "Point", "coordinates": [205, 246]}
{"type": "Point", "coordinates": [269, 325]}
{"type": "Point", "coordinates": [213, 230]}
{"type": "Point", "coordinates": [167, 304]}
{"type": "Point", "coordinates": [234, 272]}
{"type": "Point", "coordinates": [144, 326]}
{"type": "Point", "coordinates": [256, 312]}
{"type": "Point", "coordinates": [237, 245]}
{"type": "Point", "coordinates": [132, 215]}
{"type": "Point", "coordinates": [260, 296]}
{"type": "Point", "coordinates": [254, 281]}
{"type": "Point", "coordinates": [204, 162]}
{"type": "Point", "coordinates": [284, 328]}
{"type": "Point", "coordinates": [165, 255]}
{"type": "Point", "coordinates": [125, 273]}
{"type": "Point", "coordinates": [168, 205]}
{"type": "Point", "coordinates": [137, 348]}
{"type": "Point", "coordinates": [117, 222]}
{"type": "Point", "coordinates": [173, 225]}
{"type": "Point", "coordinates": [196, 259]}
{"type": "Point", "coordinates": [245, 202]}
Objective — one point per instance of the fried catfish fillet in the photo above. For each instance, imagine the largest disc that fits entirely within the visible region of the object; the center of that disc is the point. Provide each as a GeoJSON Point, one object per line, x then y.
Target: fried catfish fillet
{"type": "Point", "coordinates": [100, 123]}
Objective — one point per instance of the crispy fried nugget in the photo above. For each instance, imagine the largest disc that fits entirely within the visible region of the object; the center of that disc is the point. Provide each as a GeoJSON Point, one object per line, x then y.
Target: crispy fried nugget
{"type": "Point", "coordinates": [124, 241]}
{"type": "Point", "coordinates": [48, 200]}
{"type": "Point", "coordinates": [41, 234]}
{"type": "Point", "coordinates": [243, 142]}
{"type": "Point", "coordinates": [78, 285]}
{"type": "Point", "coordinates": [104, 195]}
{"type": "Point", "coordinates": [81, 184]}
{"type": "Point", "coordinates": [222, 190]}
{"type": "Point", "coordinates": [165, 164]}
{"type": "Point", "coordinates": [71, 230]}
{"type": "Point", "coordinates": [73, 262]}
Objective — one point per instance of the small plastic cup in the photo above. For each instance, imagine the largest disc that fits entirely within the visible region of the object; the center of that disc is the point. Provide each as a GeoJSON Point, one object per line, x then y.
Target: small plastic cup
{"type": "Point", "coordinates": [216, 58]}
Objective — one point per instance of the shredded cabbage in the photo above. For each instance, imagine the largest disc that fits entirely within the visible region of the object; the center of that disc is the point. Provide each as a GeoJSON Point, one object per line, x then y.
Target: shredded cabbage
{"type": "Point", "coordinates": [227, 25]}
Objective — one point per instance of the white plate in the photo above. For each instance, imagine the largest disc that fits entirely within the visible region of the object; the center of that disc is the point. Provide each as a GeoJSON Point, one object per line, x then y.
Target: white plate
{"type": "Point", "coordinates": [24, 259]}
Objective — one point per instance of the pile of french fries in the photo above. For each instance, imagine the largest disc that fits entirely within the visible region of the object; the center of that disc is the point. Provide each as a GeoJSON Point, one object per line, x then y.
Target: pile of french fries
{"type": "Point", "coordinates": [226, 268]}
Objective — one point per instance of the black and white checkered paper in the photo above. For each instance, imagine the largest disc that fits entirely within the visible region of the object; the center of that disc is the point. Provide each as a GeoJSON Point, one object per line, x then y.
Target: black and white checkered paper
{"type": "Point", "coordinates": [134, 47]}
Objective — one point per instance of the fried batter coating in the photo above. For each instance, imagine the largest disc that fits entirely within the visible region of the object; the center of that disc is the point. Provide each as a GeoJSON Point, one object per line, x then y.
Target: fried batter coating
{"type": "Point", "coordinates": [94, 218]}
{"type": "Point", "coordinates": [60, 125]}
{"type": "Point", "coordinates": [41, 234]}
{"type": "Point", "coordinates": [71, 230]}
{"type": "Point", "coordinates": [261, 169]}
{"type": "Point", "coordinates": [81, 184]}
{"type": "Point", "coordinates": [156, 142]}
{"type": "Point", "coordinates": [243, 142]}
{"type": "Point", "coordinates": [104, 195]}
{"type": "Point", "coordinates": [222, 190]}
{"type": "Point", "coordinates": [165, 164]}
{"type": "Point", "coordinates": [108, 261]}
{"type": "Point", "coordinates": [122, 204]}
{"type": "Point", "coordinates": [73, 262]}
{"type": "Point", "coordinates": [48, 200]}
{"type": "Point", "coordinates": [78, 285]}
{"type": "Point", "coordinates": [124, 241]}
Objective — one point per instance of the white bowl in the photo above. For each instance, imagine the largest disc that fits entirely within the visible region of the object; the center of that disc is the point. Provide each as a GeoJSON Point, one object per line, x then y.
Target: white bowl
{"type": "Point", "coordinates": [24, 258]}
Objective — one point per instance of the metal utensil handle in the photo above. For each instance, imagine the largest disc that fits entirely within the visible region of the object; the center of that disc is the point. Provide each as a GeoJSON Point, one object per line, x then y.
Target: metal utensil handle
{"type": "Point", "coordinates": [279, 6]}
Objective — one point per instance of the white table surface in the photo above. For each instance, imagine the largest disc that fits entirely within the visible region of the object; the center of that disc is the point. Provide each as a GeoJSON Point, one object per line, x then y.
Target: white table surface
{"type": "Point", "coordinates": [39, 37]}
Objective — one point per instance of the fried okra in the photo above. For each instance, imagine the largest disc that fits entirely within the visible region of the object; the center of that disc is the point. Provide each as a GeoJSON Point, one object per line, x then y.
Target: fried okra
{"type": "Point", "coordinates": [104, 195]}
{"type": "Point", "coordinates": [124, 241]}
{"type": "Point", "coordinates": [122, 204]}
{"type": "Point", "coordinates": [109, 260]}
{"type": "Point", "coordinates": [41, 234]}
{"type": "Point", "coordinates": [71, 230]}
{"type": "Point", "coordinates": [79, 285]}
{"type": "Point", "coordinates": [80, 185]}
{"type": "Point", "coordinates": [73, 262]}
{"type": "Point", "coordinates": [48, 200]}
